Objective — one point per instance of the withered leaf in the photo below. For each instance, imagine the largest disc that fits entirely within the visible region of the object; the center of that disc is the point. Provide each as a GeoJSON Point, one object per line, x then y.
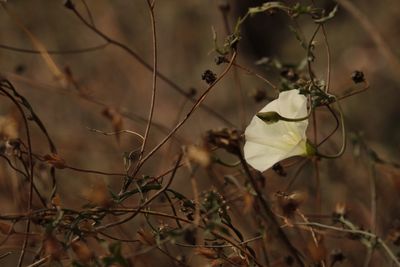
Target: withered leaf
{"type": "Point", "coordinates": [55, 160]}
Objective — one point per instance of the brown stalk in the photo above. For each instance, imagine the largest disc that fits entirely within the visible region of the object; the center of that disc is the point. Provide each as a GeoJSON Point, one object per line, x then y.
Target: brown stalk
{"type": "Point", "coordinates": [132, 53]}
{"type": "Point", "coordinates": [179, 125]}
{"type": "Point", "coordinates": [154, 88]}
{"type": "Point", "coordinates": [269, 216]}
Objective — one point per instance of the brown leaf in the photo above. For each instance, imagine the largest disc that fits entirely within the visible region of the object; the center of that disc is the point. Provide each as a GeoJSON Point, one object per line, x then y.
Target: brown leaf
{"type": "Point", "coordinates": [318, 253]}
{"type": "Point", "coordinates": [56, 200]}
{"type": "Point", "coordinates": [99, 195]}
{"type": "Point", "coordinates": [86, 225]}
{"type": "Point", "coordinates": [53, 247]}
{"type": "Point", "coordinates": [55, 160]}
{"type": "Point", "coordinates": [82, 251]}
{"type": "Point", "coordinates": [217, 262]}
{"type": "Point", "coordinates": [206, 252]}
{"type": "Point", "coordinates": [145, 237]}
{"type": "Point", "coordinates": [116, 119]}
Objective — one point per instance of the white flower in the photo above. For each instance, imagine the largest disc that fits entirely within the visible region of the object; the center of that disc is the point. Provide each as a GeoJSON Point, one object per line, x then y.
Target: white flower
{"type": "Point", "coordinates": [269, 143]}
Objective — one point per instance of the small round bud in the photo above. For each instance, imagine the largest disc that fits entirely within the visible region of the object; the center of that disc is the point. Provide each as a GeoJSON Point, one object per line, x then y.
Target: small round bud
{"type": "Point", "coordinates": [269, 117]}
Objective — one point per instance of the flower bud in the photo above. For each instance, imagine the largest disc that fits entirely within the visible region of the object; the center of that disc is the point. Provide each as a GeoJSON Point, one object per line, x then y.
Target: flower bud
{"type": "Point", "coordinates": [269, 117]}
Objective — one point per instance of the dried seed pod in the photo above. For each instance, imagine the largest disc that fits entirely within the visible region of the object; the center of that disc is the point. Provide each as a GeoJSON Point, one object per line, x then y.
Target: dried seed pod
{"type": "Point", "coordinates": [289, 203]}
{"type": "Point", "coordinates": [199, 155]}
{"type": "Point", "coordinates": [209, 77]}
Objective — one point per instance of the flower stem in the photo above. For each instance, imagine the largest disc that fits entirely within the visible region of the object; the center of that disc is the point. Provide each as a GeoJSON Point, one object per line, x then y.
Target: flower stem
{"type": "Point", "coordinates": [343, 148]}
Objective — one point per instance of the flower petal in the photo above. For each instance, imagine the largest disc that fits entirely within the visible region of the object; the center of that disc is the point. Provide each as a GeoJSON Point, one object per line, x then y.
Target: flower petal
{"type": "Point", "coordinates": [292, 104]}
{"type": "Point", "coordinates": [263, 157]}
{"type": "Point", "coordinates": [266, 144]}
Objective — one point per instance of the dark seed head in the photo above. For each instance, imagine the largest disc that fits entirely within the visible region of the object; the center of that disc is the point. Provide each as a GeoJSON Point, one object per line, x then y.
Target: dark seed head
{"type": "Point", "coordinates": [358, 76]}
{"type": "Point", "coordinates": [278, 169]}
{"type": "Point", "coordinates": [68, 4]}
{"type": "Point", "coordinates": [220, 59]}
{"type": "Point", "coordinates": [209, 77]}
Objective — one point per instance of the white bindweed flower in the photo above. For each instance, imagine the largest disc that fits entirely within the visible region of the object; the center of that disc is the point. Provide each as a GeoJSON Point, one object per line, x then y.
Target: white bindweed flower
{"type": "Point", "coordinates": [270, 142]}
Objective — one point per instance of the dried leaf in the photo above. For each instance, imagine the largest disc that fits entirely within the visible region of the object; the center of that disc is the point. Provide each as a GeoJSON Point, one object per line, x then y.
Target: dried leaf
{"type": "Point", "coordinates": [318, 254]}
{"type": "Point", "coordinates": [116, 120]}
{"type": "Point", "coordinates": [145, 237]}
{"type": "Point", "coordinates": [53, 247]}
{"type": "Point", "coordinates": [206, 252]}
{"type": "Point", "coordinates": [86, 226]}
{"type": "Point", "coordinates": [56, 200]}
{"type": "Point", "coordinates": [217, 262]}
{"type": "Point", "coordinates": [51, 64]}
{"type": "Point", "coordinates": [82, 251]}
{"type": "Point", "coordinates": [99, 195]}
{"type": "Point", "coordinates": [55, 160]}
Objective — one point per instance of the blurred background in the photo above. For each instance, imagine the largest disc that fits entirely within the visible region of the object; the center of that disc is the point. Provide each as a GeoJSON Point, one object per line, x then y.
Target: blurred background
{"type": "Point", "coordinates": [110, 90]}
